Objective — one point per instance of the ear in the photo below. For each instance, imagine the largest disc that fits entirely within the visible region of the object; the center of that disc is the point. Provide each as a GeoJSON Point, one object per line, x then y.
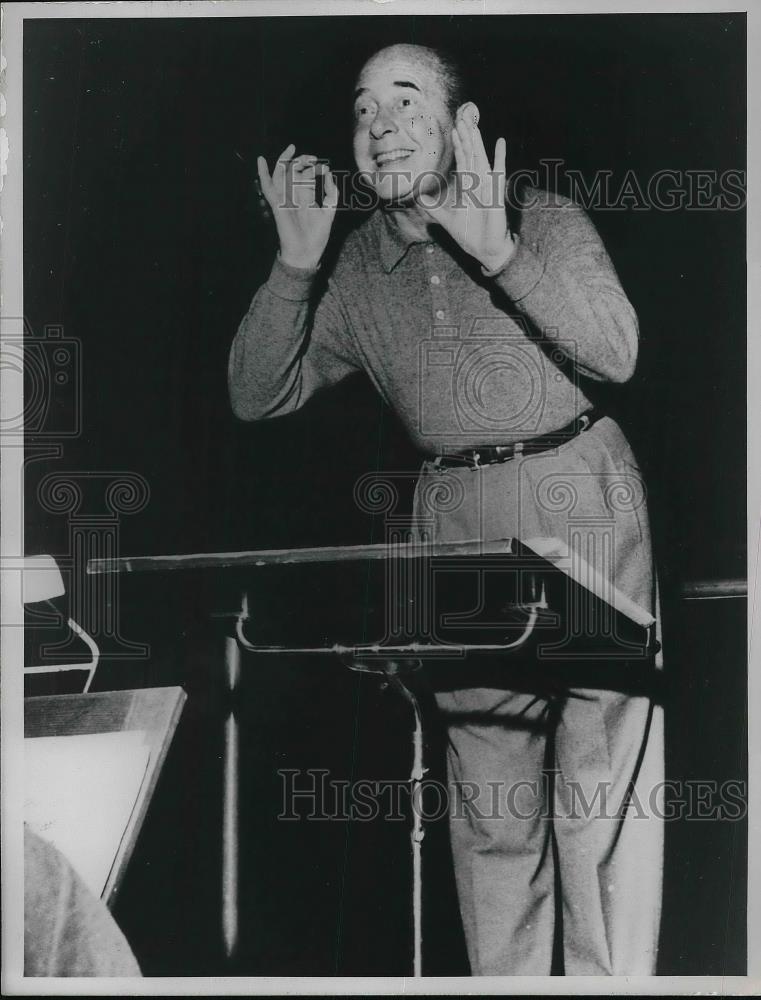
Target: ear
{"type": "Point", "coordinates": [468, 112]}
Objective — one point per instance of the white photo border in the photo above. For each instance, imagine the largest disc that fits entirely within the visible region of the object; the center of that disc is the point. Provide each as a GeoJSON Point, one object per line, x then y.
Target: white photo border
{"type": "Point", "coordinates": [12, 539]}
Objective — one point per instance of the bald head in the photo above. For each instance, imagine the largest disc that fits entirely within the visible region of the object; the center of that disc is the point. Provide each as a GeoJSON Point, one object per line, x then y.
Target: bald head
{"type": "Point", "coordinates": [405, 101]}
{"type": "Point", "coordinates": [432, 62]}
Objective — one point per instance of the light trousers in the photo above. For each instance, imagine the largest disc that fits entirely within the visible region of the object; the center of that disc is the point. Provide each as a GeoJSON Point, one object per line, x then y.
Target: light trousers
{"type": "Point", "coordinates": [574, 842]}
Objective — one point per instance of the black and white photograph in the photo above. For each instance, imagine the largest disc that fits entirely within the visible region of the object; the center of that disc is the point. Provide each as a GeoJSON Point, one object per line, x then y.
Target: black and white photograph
{"type": "Point", "coordinates": [379, 494]}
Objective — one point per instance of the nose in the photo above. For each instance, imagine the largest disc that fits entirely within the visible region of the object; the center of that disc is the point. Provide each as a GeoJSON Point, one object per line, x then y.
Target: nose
{"type": "Point", "coordinates": [383, 124]}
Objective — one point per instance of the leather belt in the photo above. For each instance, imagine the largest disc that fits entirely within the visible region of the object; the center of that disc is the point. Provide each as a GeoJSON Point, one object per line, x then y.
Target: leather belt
{"type": "Point", "coordinates": [476, 458]}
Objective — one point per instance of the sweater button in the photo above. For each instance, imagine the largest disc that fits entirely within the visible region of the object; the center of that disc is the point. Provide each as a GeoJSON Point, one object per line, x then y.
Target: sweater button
{"type": "Point", "coordinates": [435, 279]}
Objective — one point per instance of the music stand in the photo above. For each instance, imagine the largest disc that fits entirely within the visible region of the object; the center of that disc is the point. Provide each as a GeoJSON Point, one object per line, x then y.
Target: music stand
{"type": "Point", "coordinates": [537, 600]}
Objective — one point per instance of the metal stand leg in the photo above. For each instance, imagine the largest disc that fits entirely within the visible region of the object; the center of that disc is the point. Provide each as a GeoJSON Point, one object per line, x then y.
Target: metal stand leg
{"type": "Point", "coordinates": [230, 830]}
{"type": "Point", "coordinates": [417, 833]}
{"type": "Point", "coordinates": [358, 658]}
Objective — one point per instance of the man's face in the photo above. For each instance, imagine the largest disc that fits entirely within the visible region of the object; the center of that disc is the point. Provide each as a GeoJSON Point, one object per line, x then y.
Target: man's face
{"type": "Point", "coordinates": [402, 127]}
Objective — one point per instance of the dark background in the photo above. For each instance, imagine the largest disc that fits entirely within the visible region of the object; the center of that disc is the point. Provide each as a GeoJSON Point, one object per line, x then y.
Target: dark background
{"type": "Point", "coordinates": [144, 240]}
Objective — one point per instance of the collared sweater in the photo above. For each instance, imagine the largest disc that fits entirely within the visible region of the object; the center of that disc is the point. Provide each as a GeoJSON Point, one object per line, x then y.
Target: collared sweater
{"type": "Point", "coordinates": [466, 357]}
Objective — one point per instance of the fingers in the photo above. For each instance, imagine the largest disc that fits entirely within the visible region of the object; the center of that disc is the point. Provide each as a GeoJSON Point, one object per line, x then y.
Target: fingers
{"type": "Point", "coordinates": [319, 167]}
{"type": "Point", "coordinates": [500, 168]}
{"type": "Point", "coordinates": [464, 132]}
{"type": "Point", "coordinates": [264, 180]}
{"type": "Point", "coordinates": [479, 150]}
{"type": "Point", "coordinates": [287, 153]}
{"type": "Point", "coordinates": [330, 190]}
{"type": "Point", "coordinates": [460, 157]}
{"type": "Point", "coordinates": [500, 156]}
{"type": "Point", "coordinates": [303, 163]}
{"type": "Point", "coordinates": [469, 113]}
{"type": "Point", "coordinates": [278, 172]}
{"type": "Point", "coordinates": [305, 167]}
{"type": "Point", "coordinates": [287, 161]}
{"type": "Point", "coordinates": [466, 123]}
{"type": "Point", "coordinates": [470, 152]}
{"type": "Point", "coordinates": [264, 174]}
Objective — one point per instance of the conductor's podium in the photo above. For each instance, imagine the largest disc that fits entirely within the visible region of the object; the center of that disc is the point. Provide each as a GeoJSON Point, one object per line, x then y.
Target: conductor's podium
{"type": "Point", "coordinates": [463, 614]}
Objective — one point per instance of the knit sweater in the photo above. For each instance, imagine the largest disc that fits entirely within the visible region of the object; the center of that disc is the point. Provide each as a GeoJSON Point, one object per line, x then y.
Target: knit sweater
{"type": "Point", "coordinates": [466, 357]}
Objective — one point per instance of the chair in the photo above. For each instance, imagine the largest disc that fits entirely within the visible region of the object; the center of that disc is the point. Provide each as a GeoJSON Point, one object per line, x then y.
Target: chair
{"type": "Point", "coordinates": [43, 583]}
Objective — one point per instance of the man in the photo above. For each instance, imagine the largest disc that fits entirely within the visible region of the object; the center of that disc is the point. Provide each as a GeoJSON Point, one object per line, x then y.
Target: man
{"type": "Point", "coordinates": [68, 931]}
{"type": "Point", "coordinates": [480, 339]}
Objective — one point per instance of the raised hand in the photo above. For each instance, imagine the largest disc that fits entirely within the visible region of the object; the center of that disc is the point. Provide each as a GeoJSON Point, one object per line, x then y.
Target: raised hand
{"type": "Point", "coordinates": [303, 225]}
{"type": "Point", "coordinates": [472, 209]}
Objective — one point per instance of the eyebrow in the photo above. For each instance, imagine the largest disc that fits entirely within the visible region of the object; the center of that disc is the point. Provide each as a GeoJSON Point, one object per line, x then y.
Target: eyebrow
{"type": "Point", "coordinates": [396, 83]}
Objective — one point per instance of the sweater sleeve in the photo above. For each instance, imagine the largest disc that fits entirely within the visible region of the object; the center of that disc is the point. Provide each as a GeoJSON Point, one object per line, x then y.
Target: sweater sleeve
{"type": "Point", "coordinates": [68, 931]}
{"type": "Point", "coordinates": [285, 348]}
{"type": "Point", "coordinates": [566, 285]}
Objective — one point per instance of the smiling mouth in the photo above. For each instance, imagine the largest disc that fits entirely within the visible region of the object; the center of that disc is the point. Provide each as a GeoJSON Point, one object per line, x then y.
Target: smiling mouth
{"type": "Point", "coordinates": [392, 156]}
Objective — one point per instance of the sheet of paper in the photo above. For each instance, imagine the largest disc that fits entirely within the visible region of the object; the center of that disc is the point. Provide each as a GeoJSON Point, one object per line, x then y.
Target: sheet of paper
{"type": "Point", "coordinates": [79, 793]}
